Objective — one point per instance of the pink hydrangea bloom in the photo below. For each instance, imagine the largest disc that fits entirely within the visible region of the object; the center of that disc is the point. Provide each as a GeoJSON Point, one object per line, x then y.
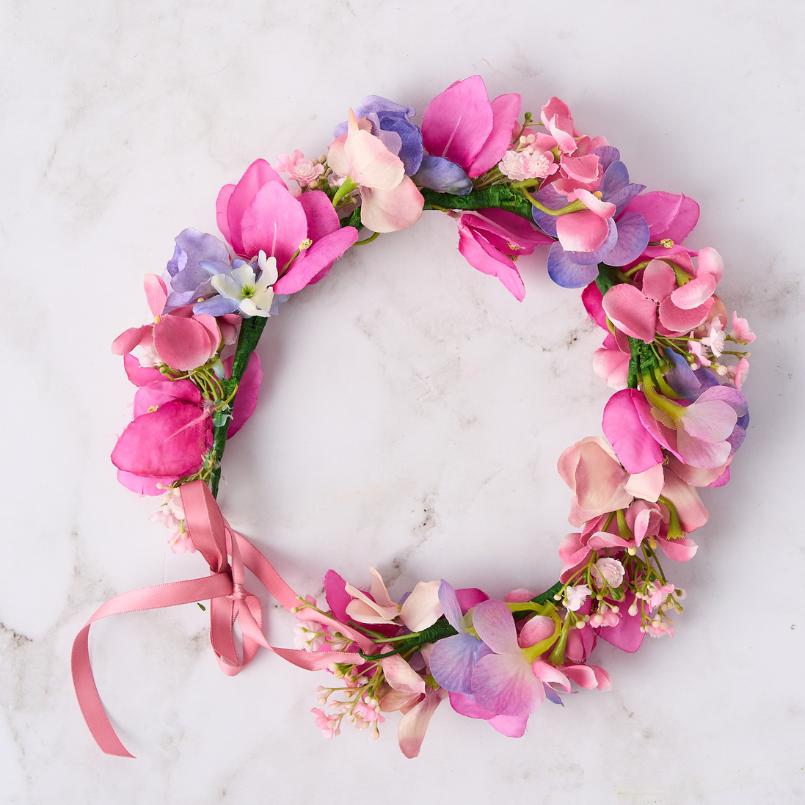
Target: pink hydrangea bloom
{"type": "Point", "coordinates": [302, 170]}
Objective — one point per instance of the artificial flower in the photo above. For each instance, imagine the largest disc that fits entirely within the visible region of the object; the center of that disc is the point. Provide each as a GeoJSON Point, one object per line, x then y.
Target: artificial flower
{"type": "Point", "coordinates": [462, 125]}
{"type": "Point", "coordinates": [248, 293]}
{"type": "Point", "coordinates": [303, 171]}
{"type": "Point", "coordinates": [304, 235]}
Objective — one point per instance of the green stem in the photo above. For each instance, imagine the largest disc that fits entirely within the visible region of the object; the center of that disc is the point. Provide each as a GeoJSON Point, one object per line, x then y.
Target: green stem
{"type": "Point", "coordinates": [500, 196]}
{"type": "Point", "coordinates": [250, 332]}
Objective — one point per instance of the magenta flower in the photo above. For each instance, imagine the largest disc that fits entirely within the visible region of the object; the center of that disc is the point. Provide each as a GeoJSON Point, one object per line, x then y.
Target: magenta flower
{"type": "Point", "coordinates": [304, 234]}
{"type": "Point", "coordinates": [172, 429]}
{"type": "Point", "coordinates": [181, 340]}
{"type": "Point", "coordinates": [462, 125]}
{"type": "Point", "coordinates": [492, 240]}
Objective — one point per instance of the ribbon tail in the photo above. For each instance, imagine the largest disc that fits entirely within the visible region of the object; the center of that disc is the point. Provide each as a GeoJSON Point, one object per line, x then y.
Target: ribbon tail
{"type": "Point", "coordinates": [163, 595]}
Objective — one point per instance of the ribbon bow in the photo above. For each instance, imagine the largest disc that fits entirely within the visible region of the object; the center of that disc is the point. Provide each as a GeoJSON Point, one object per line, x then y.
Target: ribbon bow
{"type": "Point", "coordinates": [228, 554]}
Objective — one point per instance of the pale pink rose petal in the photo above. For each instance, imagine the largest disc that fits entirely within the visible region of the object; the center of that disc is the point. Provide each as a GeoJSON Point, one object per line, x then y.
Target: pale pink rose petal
{"type": "Point", "coordinates": [505, 113]}
{"type": "Point", "coordinates": [694, 293]}
{"type": "Point", "coordinates": [275, 222]}
{"type": "Point", "coordinates": [691, 510]}
{"type": "Point", "coordinates": [155, 293]}
{"type": "Point", "coordinates": [612, 366]}
{"type": "Point", "coordinates": [550, 675]}
{"type": "Point", "coordinates": [391, 210]}
{"type": "Point", "coordinates": [379, 590]}
{"type": "Point", "coordinates": [646, 485]}
{"type": "Point", "coordinates": [680, 550]}
{"type": "Point", "coordinates": [371, 164]}
{"type": "Point", "coordinates": [401, 676]}
{"type": "Point", "coordinates": [582, 231]}
{"type": "Point", "coordinates": [182, 343]}
{"type": "Point", "coordinates": [414, 724]}
{"type": "Point", "coordinates": [422, 608]}
{"type": "Point", "coordinates": [493, 622]}
{"type": "Point", "coordinates": [457, 122]}
{"type": "Point", "coordinates": [337, 156]}
{"type": "Point", "coordinates": [635, 447]}
{"type": "Point", "coordinates": [630, 311]}
{"type": "Point", "coordinates": [131, 339]}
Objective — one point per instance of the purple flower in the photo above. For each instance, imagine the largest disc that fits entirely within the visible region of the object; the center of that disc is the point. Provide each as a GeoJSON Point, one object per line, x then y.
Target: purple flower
{"type": "Point", "coordinates": [442, 175]}
{"type": "Point", "coordinates": [197, 257]}
{"type": "Point", "coordinates": [391, 123]}
{"type": "Point", "coordinates": [453, 659]}
{"type": "Point", "coordinates": [626, 234]}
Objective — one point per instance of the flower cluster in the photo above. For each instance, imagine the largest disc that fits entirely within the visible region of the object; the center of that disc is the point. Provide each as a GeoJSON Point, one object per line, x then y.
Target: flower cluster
{"type": "Point", "coordinates": [673, 354]}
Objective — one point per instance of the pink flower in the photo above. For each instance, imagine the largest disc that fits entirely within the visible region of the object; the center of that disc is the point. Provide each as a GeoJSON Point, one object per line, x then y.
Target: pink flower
{"type": "Point", "coordinates": [527, 163]}
{"type": "Point", "coordinates": [555, 116]}
{"type": "Point", "coordinates": [600, 484]}
{"type": "Point", "coordinates": [172, 429]}
{"type": "Point", "coordinates": [180, 340]}
{"type": "Point", "coordinates": [670, 216]}
{"type": "Point", "coordinates": [640, 424]}
{"type": "Point", "coordinates": [464, 126]}
{"type": "Point", "coordinates": [419, 610]}
{"type": "Point", "coordinates": [611, 362]}
{"type": "Point", "coordinates": [389, 199]}
{"type": "Point", "coordinates": [741, 329]}
{"type": "Point", "coordinates": [410, 695]}
{"type": "Point", "coordinates": [493, 240]}
{"type": "Point", "coordinates": [329, 725]}
{"type": "Point", "coordinates": [661, 306]}
{"type": "Point", "coordinates": [303, 171]}
{"type": "Point", "coordinates": [304, 235]}
{"type": "Point", "coordinates": [608, 571]}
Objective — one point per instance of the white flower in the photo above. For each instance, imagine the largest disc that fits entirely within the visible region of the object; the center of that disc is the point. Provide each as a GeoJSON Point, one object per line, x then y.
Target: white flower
{"type": "Point", "coordinates": [608, 571]}
{"type": "Point", "coordinates": [254, 296]}
{"type": "Point", "coordinates": [576, 596]}
{"type": "Point", "coordinates": [715, 340]}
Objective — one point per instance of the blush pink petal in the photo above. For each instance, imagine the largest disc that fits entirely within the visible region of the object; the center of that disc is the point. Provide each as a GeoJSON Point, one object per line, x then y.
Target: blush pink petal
{"type": "Point", "coordinates": [458, 121]}
{"type": "Point", "coordinates": [210, 324]}
{"type": "Point", "coordinates": [631, 311]}
{"type": "Point", "coordinates": [131, 339]}
{"type": "Point", "coordinates": [371, 164]}
{"type": "Point", "coordinates": [622, 425]}
{"type": "Point", "coordinates": [668, 215]}
{"type": "Point", "coordinates": [581, 675]}
{"type": "Point", "coordinates": [159, 392]}
{"type": "Point", "coordinates": [626, 635]}
{"type": "Point", "coordinates": [550, 675]}
{"type": "Point", "coordinates": [677, 320]}
{"type": "Point", "coordinates": [422, 608]}
{"type": "Point", "coordinates": [694, 293]}
{"type": "Point", "coordinates": [391, 210]}
{"type": "Point", "coordinates": [646, 485]}
{"type": "Point", "coordinates": [536, 629]}
{"type": "Point", "coordinates": [337, 596]}
{"type": "Point", "coordinates": [700, 453]}
{"type": "Point", "coordinates": [221, 210]}
{"type": "Point", "coordinates": [510, 726]}
{"type": "Point", "coordinates": [603, 209]}
{"type": "Point", "coordinates": [679, 550]}
{"type": "Point", "coordinates": [168, 442]}
{"type": "Point", "coordinates": [401, 676]}
{"type": "Point", "coordinates": [182, 343]}
{"type": "Point", "coordinates": [711, 420]}
{"type": "Point", "coordinates": [555, 116]}
{"type": "Point", "coordinates": [691, 510]}
{"type": "Point", "coordinates": [505, 113]}
{"type": "Point", "coordinates": [275, 222]}
{"type": "Point", "coordinates": [612, 366]}
{"type": "Point", "coordinates": [414, 724]}
{"type": "Point", "coordinates": [155, 293]}
{"type": "Point", "coordinates": [582, 231]}
{"type": "Point", "coordinates": [314, 263]}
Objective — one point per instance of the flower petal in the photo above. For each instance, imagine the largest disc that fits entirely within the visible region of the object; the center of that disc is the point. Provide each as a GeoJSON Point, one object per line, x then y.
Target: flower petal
{"type": "Point", "coordinates": [248, 393]}
{"type": "Point", "coordinates": [422, 607]}
{"type": "Point", "coordinates": [182, 343]}
{"type": "Point", "coordinates": [414, 724]}
{"type": "Point", "coordinates": [314, 263]}
{"type": "Point", "coordinates": [505, 684]}
{"type": "Point", "coordinates": [401, 676]}
{"type": "Point", "coordinates": [453, 659]}
{"type": "Point", "coordinates": [240, 199]}
{"type": "Point", "coordinates": [482, 255]}
{"type": "Point", "coordinates": [631, 312]}
{"type": "Point", "coordinates": [371, 164]}
{"type": "Point", "coordinates": [505, 112]}
{"type": "Point", "coordinates": [582, 231]}
{"type": "Point", "coordinates": [274, 222]}
{"type": "Point", "coordinates": [391, 210]}
{"type": "Point", "coordinates": [494, 624]}
{"type": "Point", "coordinates": [633, 235]}
{"type": "Point", "coordinates": [635, 447]}
{"type": "Point", "coordinates": [668, 215]}
{"type": "Point", "coordinates": [564, 271]}
{"type": "Point", "coordinates": [442, 175]}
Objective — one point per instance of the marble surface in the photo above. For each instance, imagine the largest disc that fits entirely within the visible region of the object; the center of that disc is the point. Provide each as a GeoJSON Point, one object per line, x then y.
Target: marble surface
{"type": "Point", "coordinates": [413, 412]}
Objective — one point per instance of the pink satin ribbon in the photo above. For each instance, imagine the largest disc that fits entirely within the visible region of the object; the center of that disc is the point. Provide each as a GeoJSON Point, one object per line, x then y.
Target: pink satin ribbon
{"type": "Point", "coordinates": [229, 555]}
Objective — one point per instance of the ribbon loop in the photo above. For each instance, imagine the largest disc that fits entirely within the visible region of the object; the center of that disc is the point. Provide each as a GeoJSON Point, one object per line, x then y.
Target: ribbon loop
{"type": "Point", "coordinates": [228, 555]}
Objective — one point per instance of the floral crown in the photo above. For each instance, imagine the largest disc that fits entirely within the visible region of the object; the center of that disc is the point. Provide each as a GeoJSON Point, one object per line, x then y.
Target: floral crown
{"type": "Point", "coordinates": [672, 426]}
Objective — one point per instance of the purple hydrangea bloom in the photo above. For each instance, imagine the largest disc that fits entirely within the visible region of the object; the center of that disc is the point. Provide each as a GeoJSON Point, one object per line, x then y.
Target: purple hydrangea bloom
{"type": "Point", "coordinates": [197, 256]}
{"type": "Point", "coordinates": [628, 231]}
{"type": "Point", "coordinates": [391, 123]}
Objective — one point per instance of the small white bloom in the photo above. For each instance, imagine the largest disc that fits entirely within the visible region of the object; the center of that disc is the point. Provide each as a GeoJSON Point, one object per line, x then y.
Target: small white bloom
{"type": "Point", "coordinates": [254, 296]}
{"type": "Point", "coordinates": [576, 596]}
{"type": "Point", "coordinates": [716, 338]}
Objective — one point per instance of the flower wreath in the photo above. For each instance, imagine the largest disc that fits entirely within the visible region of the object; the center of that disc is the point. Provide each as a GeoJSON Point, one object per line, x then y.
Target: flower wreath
{"type": "Point", "coordinates": [673, 424]}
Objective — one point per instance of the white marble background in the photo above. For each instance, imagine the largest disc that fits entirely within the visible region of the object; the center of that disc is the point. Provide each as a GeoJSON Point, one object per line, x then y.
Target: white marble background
{"type": "Point", "coordinates": [413, 412]}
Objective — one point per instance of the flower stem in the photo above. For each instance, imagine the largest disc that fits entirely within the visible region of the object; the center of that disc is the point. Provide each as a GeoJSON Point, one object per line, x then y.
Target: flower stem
{"type": "Point", "coordinates": [499, 196]}
{"type": "Point", "coordinates": [250, 332]}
